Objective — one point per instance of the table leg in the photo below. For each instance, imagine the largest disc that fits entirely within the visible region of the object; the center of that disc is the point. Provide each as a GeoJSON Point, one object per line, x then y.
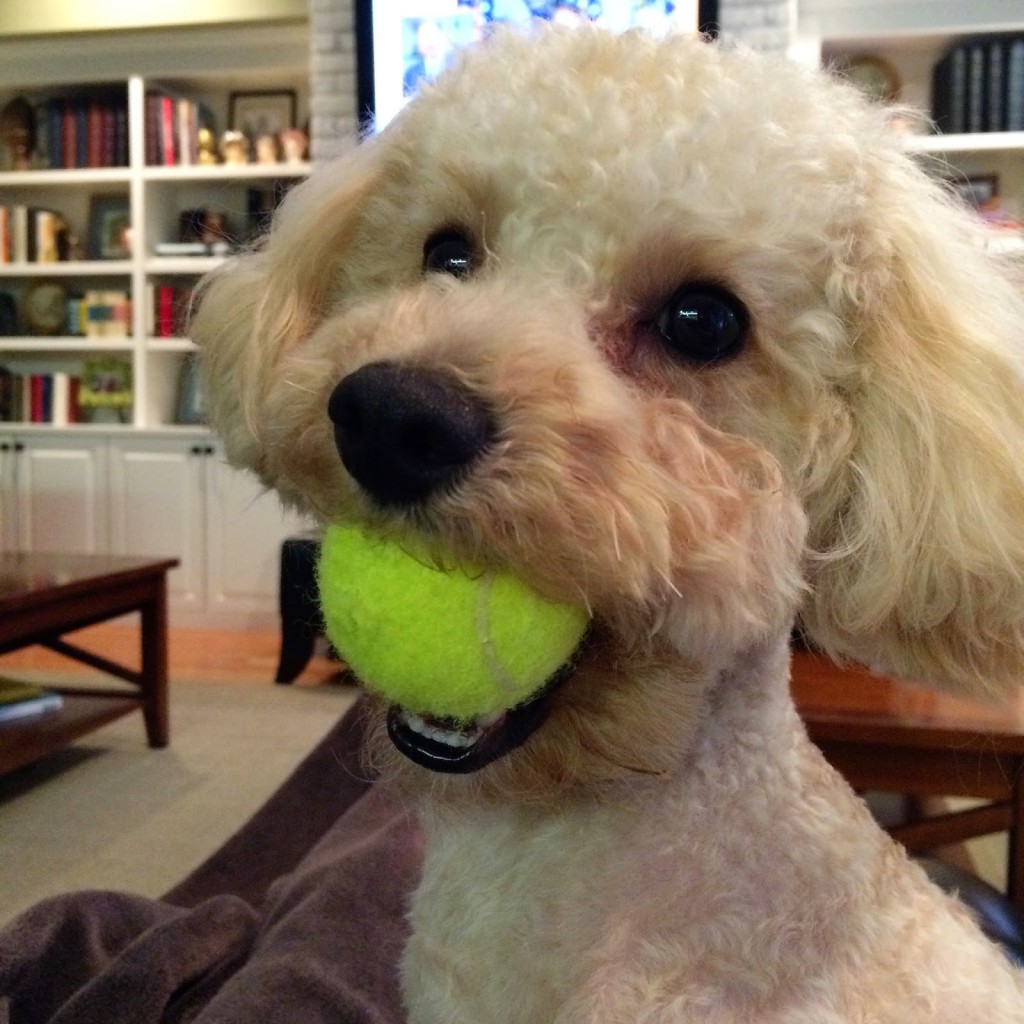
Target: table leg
{"type": "Point", "coordinates": [154, 666]}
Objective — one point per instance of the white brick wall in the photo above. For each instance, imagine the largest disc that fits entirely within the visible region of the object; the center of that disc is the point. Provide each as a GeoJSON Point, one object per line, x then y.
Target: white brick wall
{"type": "Point", "coordinates": [332, 70]}
{"type": "Point", "coordinates": [763, 24]}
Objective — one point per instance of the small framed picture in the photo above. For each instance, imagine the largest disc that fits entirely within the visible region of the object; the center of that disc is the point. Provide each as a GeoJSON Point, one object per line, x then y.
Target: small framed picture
{"type": "Point", "coordinates": [258, 114]}
{"type": "Point", "coordinates": [110, 228]}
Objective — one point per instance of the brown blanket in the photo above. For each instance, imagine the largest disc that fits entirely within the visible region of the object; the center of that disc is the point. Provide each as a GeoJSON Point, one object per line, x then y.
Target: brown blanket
{"type": "Point", "coordinates": [298, 918]}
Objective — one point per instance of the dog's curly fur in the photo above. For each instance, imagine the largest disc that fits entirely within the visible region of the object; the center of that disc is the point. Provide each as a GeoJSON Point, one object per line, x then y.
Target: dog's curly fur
{"type": "Point", "coordinates": [668, 846]}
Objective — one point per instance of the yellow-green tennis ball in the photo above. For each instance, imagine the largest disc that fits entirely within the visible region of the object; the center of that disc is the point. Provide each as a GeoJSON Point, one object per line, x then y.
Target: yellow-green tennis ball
{"type": "Point", "coordinates": [457, 644]}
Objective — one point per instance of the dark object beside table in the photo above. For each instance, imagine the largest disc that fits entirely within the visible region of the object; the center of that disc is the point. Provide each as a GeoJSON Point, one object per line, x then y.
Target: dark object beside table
{"type": "Point", "coordinates": [44, 596]}
{"type": "Point", "coordinates": [301, 621]}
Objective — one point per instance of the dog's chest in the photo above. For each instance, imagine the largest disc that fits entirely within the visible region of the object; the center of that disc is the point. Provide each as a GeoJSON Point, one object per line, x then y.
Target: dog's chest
{"type": "Point", "coordinates": [515, 912]}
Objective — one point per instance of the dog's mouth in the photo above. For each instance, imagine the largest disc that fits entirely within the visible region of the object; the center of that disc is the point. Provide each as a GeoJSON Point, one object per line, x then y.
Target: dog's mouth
{"type": "Point", "coordinates": [459, 748]}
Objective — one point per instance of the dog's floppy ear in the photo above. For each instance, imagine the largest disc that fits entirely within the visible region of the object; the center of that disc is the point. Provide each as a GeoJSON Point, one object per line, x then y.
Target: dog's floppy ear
{"type": "Point", "coordinates": [919, 537]}
{"type": "Point", "coordinates": [254, 309]}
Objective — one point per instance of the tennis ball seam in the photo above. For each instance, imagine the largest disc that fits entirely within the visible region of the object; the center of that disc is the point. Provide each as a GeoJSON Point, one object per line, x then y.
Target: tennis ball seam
{"type": "Point", "coordinates": [500, 674]}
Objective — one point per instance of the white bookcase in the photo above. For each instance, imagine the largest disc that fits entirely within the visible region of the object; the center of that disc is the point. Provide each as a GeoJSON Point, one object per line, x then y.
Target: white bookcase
{"type": "Point", "coordinates": [155, 195]}
{"type": "Point", "coordinates": [147, 485]}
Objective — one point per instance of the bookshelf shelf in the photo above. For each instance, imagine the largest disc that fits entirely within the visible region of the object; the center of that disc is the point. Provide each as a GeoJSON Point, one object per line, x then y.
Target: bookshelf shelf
{"type": "Point", "coordinates": [974, 142]}
{"type": "Point", "coordinates": [71, 344]}
{"type": "Point", "coordinates": [158, 203]}
{"type": "Point", "coordinates": [67, 178]}
{"type": "Point", "coordinates": [182, 264]}
{"type": "Point", "coordinates": [171, 345]}
{"type": "Point", "coordinates": [226, 172]}
{"type": "Point", "coordinates": [69, 268]}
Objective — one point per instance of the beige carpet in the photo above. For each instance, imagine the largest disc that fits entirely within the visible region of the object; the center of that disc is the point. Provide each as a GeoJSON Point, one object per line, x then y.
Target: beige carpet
{"type": "Point", "coordinates": [111, 813]}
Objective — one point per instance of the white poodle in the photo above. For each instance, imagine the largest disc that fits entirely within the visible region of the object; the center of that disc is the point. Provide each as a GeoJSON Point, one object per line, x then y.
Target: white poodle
{"type": "Point", "coordinates": [681, 334]}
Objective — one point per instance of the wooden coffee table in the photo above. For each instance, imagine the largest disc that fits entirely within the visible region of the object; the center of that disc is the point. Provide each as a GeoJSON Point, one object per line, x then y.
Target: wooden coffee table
{"type": "Point", "coordinates": [893, 737]}
{"type": "Point", "coordinates": [43, 597]}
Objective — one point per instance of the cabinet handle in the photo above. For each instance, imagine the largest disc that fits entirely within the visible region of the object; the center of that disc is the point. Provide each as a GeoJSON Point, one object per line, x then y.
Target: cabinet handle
{"type": "Point", "coordinates": [196, 449]}
{"type": "Point", "coordinates": [4, 446]}
{"type": "Point", "coordinates": [19, 446]}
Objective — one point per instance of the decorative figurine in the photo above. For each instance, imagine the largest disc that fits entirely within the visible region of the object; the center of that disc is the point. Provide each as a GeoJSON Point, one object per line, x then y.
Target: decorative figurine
{"type": "Point", "coordinates": [207, 147]}
{"type": "Point", "coordinates": [18, 132]}
{"type": "Point", "coordinates": [266, 150]}
{"type": "Point", "coordinates": [294, 142]}
{"type": "Point", "coordinates": [234, 147]}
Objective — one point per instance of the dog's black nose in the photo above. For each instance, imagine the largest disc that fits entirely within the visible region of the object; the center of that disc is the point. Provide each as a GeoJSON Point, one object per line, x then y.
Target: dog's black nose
{"type": "Point", "coordinates": [404, 432]}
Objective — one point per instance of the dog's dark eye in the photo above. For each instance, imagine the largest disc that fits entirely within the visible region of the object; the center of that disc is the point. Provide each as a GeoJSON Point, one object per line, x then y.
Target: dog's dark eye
{"type": "Point", "coordinates": [449, 252]}
{"type": "Point", "coordinates": [703, 322]}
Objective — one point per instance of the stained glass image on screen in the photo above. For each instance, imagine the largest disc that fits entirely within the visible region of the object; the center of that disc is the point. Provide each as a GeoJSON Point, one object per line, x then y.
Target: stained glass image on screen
{"type": "Point", "coordinates": [401, 43]}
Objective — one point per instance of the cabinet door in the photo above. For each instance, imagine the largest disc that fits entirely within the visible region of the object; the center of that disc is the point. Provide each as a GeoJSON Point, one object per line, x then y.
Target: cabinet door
{"type": "Point", "coordinates": [245, 529]}
{"type": "Point", "coordinates": [60, 494]}
{"type": "Point", "coordinates": [157, 498]}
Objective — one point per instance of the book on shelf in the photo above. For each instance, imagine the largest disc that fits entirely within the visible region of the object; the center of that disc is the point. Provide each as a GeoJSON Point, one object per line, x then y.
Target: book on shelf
{"type": "Point", "coordinates": [106, 314]}
{"type": "Point", "coordinates": [192, 248]}
{"type": "Point", "coordinates": [39, 397]}
{"type": "Point", "coordinates": [167, 310]}
{"type": "Point", "coordinates": [978, 86]}
{"type": "Point", "coordinates": [20, 700]}
{"type": "Point", "coordinates": [31, 234]}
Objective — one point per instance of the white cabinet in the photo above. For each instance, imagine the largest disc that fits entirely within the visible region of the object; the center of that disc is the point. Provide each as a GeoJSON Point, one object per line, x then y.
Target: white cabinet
{"type": "Point", "coordinates": [137, 493]}
{"type": "Point", "coordinates": [157, 501]}
{"type": "Point", "coordinates": [177, 496]}
{"type": "Point", "coordinates": [53, 493]}
{"type": "Point", "coordinates": [242, 568]}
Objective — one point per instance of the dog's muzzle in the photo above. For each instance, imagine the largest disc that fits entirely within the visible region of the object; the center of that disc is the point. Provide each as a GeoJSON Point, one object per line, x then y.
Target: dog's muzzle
{"type": "Point", "coordinates": [406, 432]}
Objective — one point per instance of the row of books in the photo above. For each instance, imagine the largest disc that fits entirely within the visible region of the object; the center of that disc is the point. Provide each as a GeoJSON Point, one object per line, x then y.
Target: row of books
{"type": "Point", "coordinates": [20, 700]}
{"type": "Point", "coordinates": [32, 235]}
{"type": "Point", "coordinates": [40, 398]}
{"type": "Point", "coordinates": [978, 86]}
{"type": "Point", "coordinates": [172, 129]}
{"type": "Point", "coordinates": [82, 131]}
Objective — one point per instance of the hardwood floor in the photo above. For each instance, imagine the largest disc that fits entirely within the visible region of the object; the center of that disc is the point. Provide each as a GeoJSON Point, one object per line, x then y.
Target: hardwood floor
{"type": "Point", "coordinates": [211, 655]}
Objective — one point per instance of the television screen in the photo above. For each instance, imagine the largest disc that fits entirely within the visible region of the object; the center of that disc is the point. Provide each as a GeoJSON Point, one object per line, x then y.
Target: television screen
{"type": "Point", "coordinates": [402, 42]}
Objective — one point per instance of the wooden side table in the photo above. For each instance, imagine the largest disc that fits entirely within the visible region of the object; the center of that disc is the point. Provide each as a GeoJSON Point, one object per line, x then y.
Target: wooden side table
{"type": "Point", "coordinates": [44, 596]}
{"type": "Point", "coordinates": [889, 736]}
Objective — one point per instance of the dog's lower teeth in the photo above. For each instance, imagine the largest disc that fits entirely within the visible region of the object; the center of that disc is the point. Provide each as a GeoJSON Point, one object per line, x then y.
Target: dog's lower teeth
{"type": "Point", "coordinates": [464, 736]}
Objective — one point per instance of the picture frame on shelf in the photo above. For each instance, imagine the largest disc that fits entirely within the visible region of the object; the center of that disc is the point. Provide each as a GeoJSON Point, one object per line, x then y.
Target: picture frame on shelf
{"type": "Point", "coordinates": [262, 112]}
{"type": "Point", "coordinates": [110, 227]}
{"type": "Point", "coordinates": [106, 389]}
